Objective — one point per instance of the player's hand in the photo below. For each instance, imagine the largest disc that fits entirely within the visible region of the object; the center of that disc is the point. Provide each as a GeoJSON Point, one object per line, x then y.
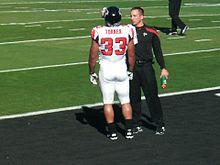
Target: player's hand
{"type": "Point", "coordinates": [93, 78]}
{"type": "Point", "coordinates": [130, 75]}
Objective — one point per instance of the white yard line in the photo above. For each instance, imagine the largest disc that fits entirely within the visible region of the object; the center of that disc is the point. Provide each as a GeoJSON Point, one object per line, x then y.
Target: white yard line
{"type": "Point", "coordinates": [203, 40]}
{"type": "Point", "coordinates": [45, 10]}
{"type": "Point", "coordinates": [80, 63]}
{"type": "Point", "coordinates": [202, 4]}
{"type": "Point", "coordinates": [43, 40]}
{"type": "Point", "coordinates": [80, 29]}
{"type": "Point", "coordinates": [24, 7]}
{"type": "Point", "coordinates": [205, 28]}
{"type": "Point", "coordinates": [193, 51]}
{"type": "Point", "coordinates": [60, 2]}
{"type": "Point", "coordinates": [195, 20]}
{"type": "Point", "coordinates": [54, 27]}
{"type": "Point", "coordinates": [176, 37]}
{"type": "Point", "coordinates": [51, 21]}
{"type": "Point", "coordinates": [41, 112]}
{"type": "Point", "coordinates": [41, 67]}
{"type": "Point", "coordinates": [31, 26]}
{"type": "Point", "coordinates": [93, 19]}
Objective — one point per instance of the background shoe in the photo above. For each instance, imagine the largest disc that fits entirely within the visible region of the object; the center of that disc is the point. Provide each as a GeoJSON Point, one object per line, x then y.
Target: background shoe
{"type": "Point", "coordinates": [172, 33]}
{"type": "Point", "coordinates": [184, 30]}
{"type": "Point", "coordinates": [160, 130]}
{"type": "Point", "coordinates": [137, 129]}
{"type": "Point", "coordinates": [129, 134]}
{"type": "Point", "coordinates": [112, 136]}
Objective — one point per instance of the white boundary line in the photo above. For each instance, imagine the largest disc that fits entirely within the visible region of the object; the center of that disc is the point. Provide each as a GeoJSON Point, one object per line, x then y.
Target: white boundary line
{"type": "Point", "coordinates": [99, 104]}
{"type": "Point", "coordinates": [81, 63]}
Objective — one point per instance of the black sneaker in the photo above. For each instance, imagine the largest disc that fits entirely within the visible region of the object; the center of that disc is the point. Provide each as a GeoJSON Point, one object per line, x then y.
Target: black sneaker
{"type": "Point", "coordinates": [112, 136]}
{"type": "Point", "coordinates": [137, 129]}
{"type": "Point", "coordinates": [129, 134]}
{"type": "Point", "coordinates": [183, 31]}
{"type": "Point", "coordinates": [160, 130]}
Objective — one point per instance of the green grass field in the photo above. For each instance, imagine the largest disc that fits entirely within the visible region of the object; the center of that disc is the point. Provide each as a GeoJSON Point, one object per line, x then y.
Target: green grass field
{"type": "Point", "coordinates": [42, 33]}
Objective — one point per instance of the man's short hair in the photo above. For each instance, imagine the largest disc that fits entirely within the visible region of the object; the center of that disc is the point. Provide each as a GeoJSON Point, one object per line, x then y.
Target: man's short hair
{"type": "Point", "coordinates": [141, 10]}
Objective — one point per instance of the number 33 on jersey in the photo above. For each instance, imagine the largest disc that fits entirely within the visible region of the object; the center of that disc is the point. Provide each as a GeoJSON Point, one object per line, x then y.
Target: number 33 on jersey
{"type": "Point", "coordinates": [113, 41]}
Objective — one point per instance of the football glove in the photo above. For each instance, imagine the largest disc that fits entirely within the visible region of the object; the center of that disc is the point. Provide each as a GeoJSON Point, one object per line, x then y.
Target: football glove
{"type": "Point", "coordinates": [130, 75]}
{"type": "Point", "coordinates": [103, 12]}
{"type": "Point", "coordinates": [93, 78]}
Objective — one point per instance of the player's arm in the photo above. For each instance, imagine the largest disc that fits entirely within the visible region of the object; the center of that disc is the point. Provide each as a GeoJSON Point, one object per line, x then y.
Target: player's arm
{"type": "Point", "coordinates": [93, 56]}
{"type": "Point", "coordinates": [131, 55]}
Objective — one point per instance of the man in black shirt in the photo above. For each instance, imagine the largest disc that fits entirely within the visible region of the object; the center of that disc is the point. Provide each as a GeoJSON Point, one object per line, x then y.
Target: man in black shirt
{"type": "Point", "coordinates": [144, 75]}
{"type": "Point", "coordinates": [174, 10]}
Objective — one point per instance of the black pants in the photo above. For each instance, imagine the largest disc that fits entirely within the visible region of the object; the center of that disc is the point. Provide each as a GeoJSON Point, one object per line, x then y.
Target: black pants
{"type": "Point", "coordinates": [174, 10]}
{"type": "Point", "coordinates": [144, 78]}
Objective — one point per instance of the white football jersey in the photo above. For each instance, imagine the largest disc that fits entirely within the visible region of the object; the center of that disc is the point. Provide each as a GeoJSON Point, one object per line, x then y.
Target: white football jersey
{"type": "Point", "coordinates": [113, 41]}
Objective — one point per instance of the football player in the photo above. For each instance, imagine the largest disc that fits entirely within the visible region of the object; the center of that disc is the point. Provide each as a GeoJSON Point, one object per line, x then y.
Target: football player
{"type": "Point", "coordinates": [110, 43]}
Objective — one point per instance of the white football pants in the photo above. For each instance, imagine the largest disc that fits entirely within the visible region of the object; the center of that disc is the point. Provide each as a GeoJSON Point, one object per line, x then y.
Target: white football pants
{"type": "Point", "coordinates": [113, 78]}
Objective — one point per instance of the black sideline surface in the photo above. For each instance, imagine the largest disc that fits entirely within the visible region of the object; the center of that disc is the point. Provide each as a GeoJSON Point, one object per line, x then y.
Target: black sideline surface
{"type": "Point", "coordinates": [78, 137]}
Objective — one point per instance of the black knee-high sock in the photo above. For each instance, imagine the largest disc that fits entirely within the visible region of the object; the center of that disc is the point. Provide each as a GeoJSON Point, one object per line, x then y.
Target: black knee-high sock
{"type": "Point", "coordinates": [111, 127]}
{"type": "Point", "coordinates": [128, 123]}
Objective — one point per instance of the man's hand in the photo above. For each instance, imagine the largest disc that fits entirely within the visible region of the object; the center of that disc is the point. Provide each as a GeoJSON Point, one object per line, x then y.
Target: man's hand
{"type": "Point", "coordinates": [130, 75]}
{"type": "Point", "coordinates": [165, 73]}
{"type": "Point", "coordinates": [93, 78]}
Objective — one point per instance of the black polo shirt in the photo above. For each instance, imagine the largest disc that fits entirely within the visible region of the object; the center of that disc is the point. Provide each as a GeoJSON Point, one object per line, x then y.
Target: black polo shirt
{"type": "Point", "coordinates": [149, 43]}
